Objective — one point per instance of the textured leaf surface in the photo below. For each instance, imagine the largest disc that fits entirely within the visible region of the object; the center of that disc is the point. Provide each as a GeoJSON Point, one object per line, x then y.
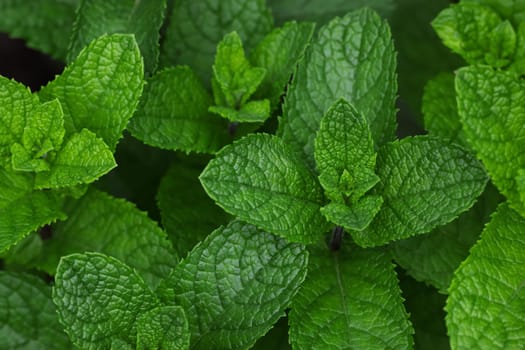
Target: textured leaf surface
{"type": "Point", "coordinates": [350, 300]}
{"type": "Point", "coordinates": [477, 33]}
{"type": "Point", "coordinates": [28, 318]}
{"type": "Point", "coordinates": [196, 27]}
{"type": "Point", "coordinates": [440, 110]}
{"type": "Point", "coordinates": [100, 90]}
{"type": "Point", "coordinates": [17, 104]}
{"type": "Point", "coordinates": [173, 114]}
{"type": "Point", "coordinates": [491, 106]}
{"type": "Point", "coordinates": [486, 302]}
{"type": "Point", "coordinates": [433, 258]}
{"type": "Point", "coordinates": [424, 183]}
{"type": "Point", "coordinates": [101, 223]}
{"type": "Point", "coordinates": [49, 31]}
{"type": "Point", "coordinates": [279, 53]}
{"type": "Point", "coordinates": [356, 216]}
{"type": "Point", "coordinates": [187, 213]}
{"type": "Point", "coordinates": [235, 285]}
{"type": "Point", "coordinates": [98, 300]}
{"type": "Point", "coordinates": [23, 210]}
{"type": "Point", "coordinates": [165, 327]}
{"type": "Point", "coordinates": [344, 153]}
{"type": "Point", "coordinates": [81, 160]}
{"type": "Point", "coordinates": [44, 130]}
{"type": "Point", "coordinates": [141, 18]}
{"type": "Point", "coordinates": [351, 57]}
{"type": "Point", "coordinates": [259, 180]}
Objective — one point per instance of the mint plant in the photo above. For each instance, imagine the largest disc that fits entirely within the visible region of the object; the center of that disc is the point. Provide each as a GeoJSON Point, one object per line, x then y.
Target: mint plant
{"type": "Point", "coordinates": [204, 176]}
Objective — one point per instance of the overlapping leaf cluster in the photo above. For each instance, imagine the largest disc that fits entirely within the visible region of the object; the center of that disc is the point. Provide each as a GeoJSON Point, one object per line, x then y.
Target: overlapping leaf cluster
{"type": "Point", "coordinates": [300, 122]}
{"type": "Point", "coordinates": [484, 112]}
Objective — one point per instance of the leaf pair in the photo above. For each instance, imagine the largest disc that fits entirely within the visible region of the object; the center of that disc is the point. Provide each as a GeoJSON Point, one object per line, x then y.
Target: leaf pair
{"type": "Point", "coordinates": [227, 293]}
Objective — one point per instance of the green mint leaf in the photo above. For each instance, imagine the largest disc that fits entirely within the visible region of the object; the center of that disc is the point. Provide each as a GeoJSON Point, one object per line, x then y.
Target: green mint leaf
{"type": "Point", "coordinates": [196, 27]}
{"type": "Point", "coordinates": [349, 300]}
{"type": "Point", "coordinates": [17, 104]}
{"type": "Point", "coordinates": [484, 309]}
{"type": "Point", "coordinates": [28, 315]}
{"type": "Point", "coordinates": [261, 181]}
{"type": "Point", "coordinates": [81, 160]}
{"type": "Point", "coordinates": [344, 147]}
{"type": "Point", "coordinates": [352, 57]}
{"type": "Point", "coordinates": [173, 114]}
{"type": "Point", "coordinates": [141, 18]}
{"type": "Point", "coordinates": [187, 213]}
{"type": "Point", "coordinates": [100, 90]}
{"type": "Point", "coordinates": [233, 73]}
{"type": "Point", "coordinates": [477, 33]}
{"type": "Point", "coordinates": [424, 183]}
{"type": "Point", "coordinates": [322, 11]}
{"type": "Point", "coordinates": [491, 105]}
{"type": "Point", "coordinates": [279, 53]}
{"type": "Point", "coordinates": [433, 258]}
{"type": "Point", "coordinates": [44, 24]}
{"type": "Point", "coordinates": [276, 338]}
{"type": "Point", "coordinates": [99, 299]}
{"type": "Point", "coordinates": [440, 110]}
{"type": "Point", "coordinates": [356, 216]}
{"type": "Point", "coordinates": [165, 327]}
{"type": "Point", "coordinates": [23, 210]}
{"type": "Point", "coordinates": [235, 285]}
{"type": "Point", "coordinates": [99, 222]}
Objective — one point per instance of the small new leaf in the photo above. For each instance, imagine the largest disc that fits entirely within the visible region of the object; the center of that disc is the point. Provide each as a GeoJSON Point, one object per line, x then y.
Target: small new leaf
{"type": "Point", "coordinates": [260, 180]}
